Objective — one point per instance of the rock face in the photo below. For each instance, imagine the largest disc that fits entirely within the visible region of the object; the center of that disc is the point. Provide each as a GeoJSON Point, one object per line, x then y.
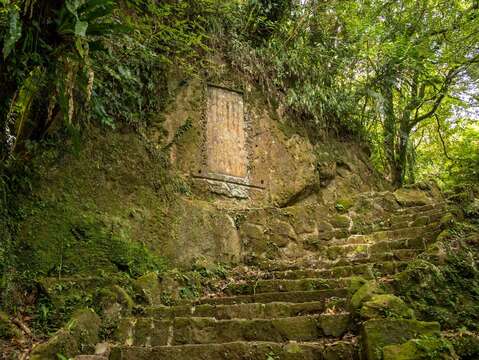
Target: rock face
{"type": "Point", "coordinates": [236, 146]}
{"type": "Point", "coordinates": [218, 154]}
{"type": "Point", "coordinates": [197, 229]}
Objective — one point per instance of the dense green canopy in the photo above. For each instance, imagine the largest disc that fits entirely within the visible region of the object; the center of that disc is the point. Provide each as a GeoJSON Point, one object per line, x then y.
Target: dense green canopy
{"type": "Point", "coordinates": [402, 75]}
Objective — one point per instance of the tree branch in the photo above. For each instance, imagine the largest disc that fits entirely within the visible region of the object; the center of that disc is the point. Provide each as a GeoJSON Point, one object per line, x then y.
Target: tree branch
{"type": "Point", "coordinates": [441, 138]}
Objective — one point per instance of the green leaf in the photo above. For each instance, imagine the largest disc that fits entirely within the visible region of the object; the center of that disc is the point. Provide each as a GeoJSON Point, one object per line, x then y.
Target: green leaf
{"type": "Point", "coordinates": [13, 33]}
{"type": "Point", "coordinates": [80, 45]}
{"type": "Point", "coordinates": [107, 28]}
{"type": "Point", "coordinates": [72, 6]}
{"type": "Point", "coordinates": [81, 28]}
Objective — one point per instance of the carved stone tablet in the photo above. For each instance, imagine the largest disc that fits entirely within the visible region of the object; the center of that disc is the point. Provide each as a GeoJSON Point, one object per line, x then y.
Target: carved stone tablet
{"type": "Point", "coordinates": [225, 133]}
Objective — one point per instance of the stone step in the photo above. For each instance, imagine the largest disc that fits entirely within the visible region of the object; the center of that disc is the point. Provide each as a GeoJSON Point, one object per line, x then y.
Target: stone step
{"type": "Point", "coordinates": [291, 296]}
{"type": "Point", "coordinates": [367, 271]}
{"type": "Point", "coordinates": [326, 350]}
{"type": "Point", "coordinates": [367, 250]}
{"type": "Point", "coordinates": [395, 255]}
{"type": "Point", "coordinates": [357, 257]}
{"type": "Point", "coordinates": [247, 311]}
{"type": "Point", "coordinates": [282, 285]}
{"type": "Point", "coordinates": [199, 330]}
{"type": "Point", "coordinates": [312, 262]}
{"type": "Point", "coordinates": [428, 232]}
{"type": "Point", "coordinates": [416, 219]}
{"type": "Point", "coordinates": [395, 222]}
{"type": "Point", "coordinates": [420, 209]}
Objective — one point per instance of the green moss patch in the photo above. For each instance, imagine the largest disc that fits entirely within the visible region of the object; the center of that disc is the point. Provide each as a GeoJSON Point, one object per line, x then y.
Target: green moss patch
{"type": "Point", "coordinates": [378, 333]}
{"type": "Point", "coordinates": [385, 306]}
{"type": "Point", "coordinates": [426, 348]}
{"type": "Point", "coordinates": [444, 285]}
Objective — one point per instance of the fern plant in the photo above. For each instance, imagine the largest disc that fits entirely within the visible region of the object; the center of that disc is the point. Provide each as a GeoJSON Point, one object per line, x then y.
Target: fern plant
{"type": "Point", "coordinates": [47, 47]}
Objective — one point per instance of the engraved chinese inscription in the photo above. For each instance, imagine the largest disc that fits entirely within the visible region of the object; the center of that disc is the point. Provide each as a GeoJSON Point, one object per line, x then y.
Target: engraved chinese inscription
{"type": "Point", "coordinates": [226, 133]}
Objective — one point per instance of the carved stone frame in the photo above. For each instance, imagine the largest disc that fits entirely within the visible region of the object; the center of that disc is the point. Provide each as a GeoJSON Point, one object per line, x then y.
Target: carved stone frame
{"type": "Point", "coordinates": [227, 185]}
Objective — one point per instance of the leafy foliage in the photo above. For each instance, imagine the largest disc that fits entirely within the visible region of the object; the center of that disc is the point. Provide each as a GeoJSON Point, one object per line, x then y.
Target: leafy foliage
{"type": "Point", "coordinates": [47, 65]}
{"type": "Point", "coordinates": [412, 65]}
{"type": "Point", "coordinates": [374, 69]}
{"type": "Point", "coordinates": [449, 152]}
{"type": "Point", "coordinates": [302, 64]}
{"type": "Point", "coordinates": [447, 290]}
{"type": "Point", "coordinates": [91, 60]}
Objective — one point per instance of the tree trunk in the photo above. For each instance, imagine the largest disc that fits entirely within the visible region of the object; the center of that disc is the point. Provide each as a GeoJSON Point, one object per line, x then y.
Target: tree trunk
{"type": "Point", "coordinates": [400, 163]}
{"type": "Point", "coordinates": [389, 128]}
{"type": "Point", "coordinates": [411, 166]}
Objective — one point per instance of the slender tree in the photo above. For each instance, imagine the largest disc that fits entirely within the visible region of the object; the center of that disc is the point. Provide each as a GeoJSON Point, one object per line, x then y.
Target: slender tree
{"type": "Point", "coordinates": [418, 52]}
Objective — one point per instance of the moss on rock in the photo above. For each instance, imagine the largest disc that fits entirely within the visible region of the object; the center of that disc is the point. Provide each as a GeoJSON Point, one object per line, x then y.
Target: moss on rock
{"type": "Point", "coordinates": [365, 293]}
{"type": "Point", "coordinates": [340, 221]}
{"type": "Point", "coordinates": [378, 333]}
{"type": "Point", "coordinates": [384, 306]}
{"type": "Point", "coordinates": [344, 204]}
{"type": "Point", "coordinates": [447, 221]}
{"type": "Point", "coordinates": [334, 325]}
{"type": "Point", "coordinates": [425, 348]}
{"type": "Point", "coordinates": [80, 335]}
{"type": "Point", "coordinates": [148, 288]}
{"type": "Point", "coordinates": [411, 197]}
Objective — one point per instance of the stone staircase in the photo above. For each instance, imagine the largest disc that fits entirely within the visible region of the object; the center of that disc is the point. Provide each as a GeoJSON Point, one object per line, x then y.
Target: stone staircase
{"type": "Point", "coordinates": [281, 303]}
{"type": "Point", "coordinates": [279, 308]}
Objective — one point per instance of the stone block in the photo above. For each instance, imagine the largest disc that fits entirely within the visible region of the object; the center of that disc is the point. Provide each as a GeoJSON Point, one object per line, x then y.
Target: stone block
{"type": "Point", "coordinates": [81, 334]}
{"type": "Point", "coordinates": [378, 333]}
{"type": "Point", "coordinates": [411, 197]}
{"type": "Point", "coordinates": [148, 287]}
{"type": "Point", "coordinates": [364, 293]}
{"type": "Point", "coordinates": [385, 306]}
{"type": "Point", "coordinates": [418, 349]}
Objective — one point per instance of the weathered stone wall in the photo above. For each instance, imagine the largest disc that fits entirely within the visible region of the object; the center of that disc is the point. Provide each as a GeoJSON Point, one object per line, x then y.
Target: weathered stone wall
{"type": "Point", "coordinates": [237, 147]}
{"type": "Point", "coordinates": [313, 229]}
{"type": "Point", "coordinates": [256, 176]}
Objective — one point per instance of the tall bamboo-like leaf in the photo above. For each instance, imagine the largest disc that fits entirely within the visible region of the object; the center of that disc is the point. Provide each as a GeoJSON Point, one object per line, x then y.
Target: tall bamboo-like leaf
{"type": "Point", "coordinates": [21, 105]}
{"type": "Point", "coordinates": [13, 33]}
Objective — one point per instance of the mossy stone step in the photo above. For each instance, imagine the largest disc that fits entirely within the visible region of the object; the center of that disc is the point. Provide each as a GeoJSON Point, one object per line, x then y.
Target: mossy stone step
{"type": "Point", "coordinates": [420, 208]}
{"type": "Point", "coordinates": [367, 249]}
{"type": "Point", "coordinates": [337, 350]}
{"type": "Point", "coordinates": [331, 264]}
{"type": "Point", "coordinates": [283, 285]}
{"type": "Point", "coordinates": [398, 218]}
{"type": "Point", "coordinates": [359, 233]}
{"type": "Point", "coordinates": [288, 271]}
{"type": "Point", "coordinates": [246, 311]}
{"type": "Point", "coordinates": [360, 254]}
{"type": "Point", "coordinates": [417, 232]}
{"type": "Point", "coordinates": [402, 218]}
{"type": "Point", "coordinates": [291, 296]}
{"type": "Point", "coordinates": [312, 261]}
{"type": "Point", "coordinates": [197, 330]}
{"type": "Point", "coordinates": [378, 333]}
{"type": "Point", "coordinates": [365, 258]}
